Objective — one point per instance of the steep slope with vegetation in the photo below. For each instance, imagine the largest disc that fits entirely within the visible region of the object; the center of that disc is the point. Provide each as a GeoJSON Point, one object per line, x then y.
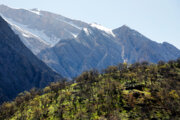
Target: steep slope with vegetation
{"type": "Point", "coordinates": [140, 91]}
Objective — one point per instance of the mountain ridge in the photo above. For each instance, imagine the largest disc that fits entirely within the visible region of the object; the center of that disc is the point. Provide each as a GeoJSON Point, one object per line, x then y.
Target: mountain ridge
{"type": "Point", "coordinates": [96, 48]}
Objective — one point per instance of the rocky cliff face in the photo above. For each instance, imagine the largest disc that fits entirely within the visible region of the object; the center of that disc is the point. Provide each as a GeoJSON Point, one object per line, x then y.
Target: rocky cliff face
{"type": "Point", "coordinates": [19, 69]}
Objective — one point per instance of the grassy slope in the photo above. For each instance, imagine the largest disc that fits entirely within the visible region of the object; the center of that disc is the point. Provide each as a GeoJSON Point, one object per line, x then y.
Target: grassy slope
{"type": "Point", "coordinates": [139, 91]}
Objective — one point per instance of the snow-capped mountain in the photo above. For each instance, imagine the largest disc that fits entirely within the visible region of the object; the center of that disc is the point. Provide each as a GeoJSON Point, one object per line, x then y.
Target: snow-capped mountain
{"type": "Point", "coordinates": [40, 29]}
{"type": "Point", "coordinates": [71, 47]}
{"type": "Point", "coordinates": [98, 47]}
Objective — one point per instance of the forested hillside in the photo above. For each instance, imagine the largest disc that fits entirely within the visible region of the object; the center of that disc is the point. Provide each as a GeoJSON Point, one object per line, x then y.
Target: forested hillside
{"type": "Point", "coordinates": [124, 92]}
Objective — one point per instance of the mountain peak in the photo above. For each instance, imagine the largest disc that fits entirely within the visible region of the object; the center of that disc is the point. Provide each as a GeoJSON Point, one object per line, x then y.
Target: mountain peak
{"type": "Point", "coordinates": [125, 27]}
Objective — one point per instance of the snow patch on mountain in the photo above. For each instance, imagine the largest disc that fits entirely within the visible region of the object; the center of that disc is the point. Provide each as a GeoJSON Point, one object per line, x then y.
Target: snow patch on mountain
{"type": "Point", "coordinates": [86, 31]}
{"type": "Point", "coordinates": [33, 42]}
{"type": "Point", "coordinates": [123, 56]}
{"type": "Point", "coordinates": [80, 28]}
{"type": "Point", "coordinates": [49, 40]}
{"type": "Point", "coordinates": [75, 35]}
{"type": "Point", "coordinates": [26, 35]}
{"type": "Point", "coordinates": [36, 11]}
{"type": "Point", "coordinates": [102, 28]}
{"type": "Point", "coordinates": [70, 23]}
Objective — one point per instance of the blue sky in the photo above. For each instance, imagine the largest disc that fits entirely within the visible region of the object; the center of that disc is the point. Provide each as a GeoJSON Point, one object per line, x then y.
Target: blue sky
{"type": "Point", "coordinates": [159, 20]}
